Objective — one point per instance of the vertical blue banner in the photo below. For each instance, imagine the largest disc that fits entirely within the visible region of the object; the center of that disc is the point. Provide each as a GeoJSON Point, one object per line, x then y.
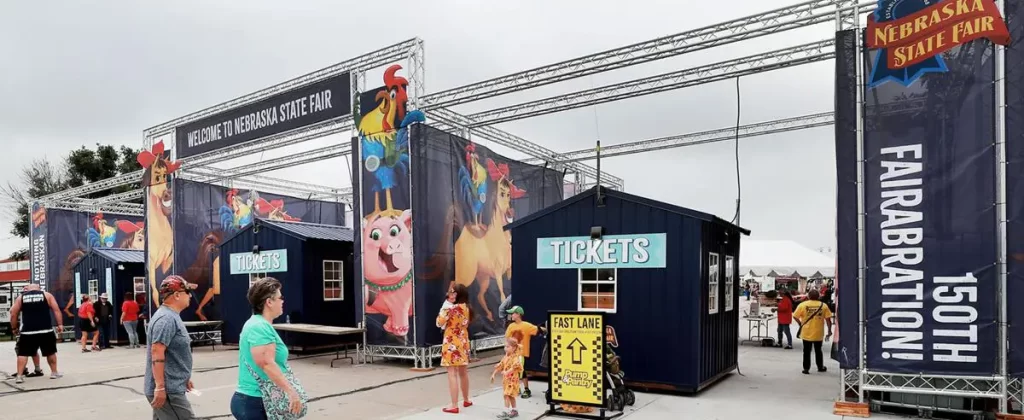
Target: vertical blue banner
{"type": "Point", "coordinates": [931, 223]}
{"type": "Point", "coordinates": [1015, 187]}
{"type": "Point", "coordinates": [846, 348]}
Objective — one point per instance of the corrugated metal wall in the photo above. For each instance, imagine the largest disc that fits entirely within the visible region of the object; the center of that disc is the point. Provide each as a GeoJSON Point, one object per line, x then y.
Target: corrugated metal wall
{"type": "Point", "coordinates": [719, 332]}
{"type": "Point", "coordinates": [315, 309]}
{"type": "Point", "coordinates": [655, 322]}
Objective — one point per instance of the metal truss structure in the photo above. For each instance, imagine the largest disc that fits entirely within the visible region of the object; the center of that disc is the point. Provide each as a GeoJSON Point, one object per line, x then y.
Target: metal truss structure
{"type": "Point", "coordinates": [856, 384]}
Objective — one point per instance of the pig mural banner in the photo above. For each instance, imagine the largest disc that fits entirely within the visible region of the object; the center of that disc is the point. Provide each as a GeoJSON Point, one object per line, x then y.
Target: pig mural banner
{"type": "Point", "coordinates": [929, 191]}
{"type": "Point", "coordinates": [384, 203]}
{"type": "Point", "coordinates": [205, 214]}
{"type": "Point", "coordinates": [464, 195]}
{"type": "Point", "coordinates": [63, 237]}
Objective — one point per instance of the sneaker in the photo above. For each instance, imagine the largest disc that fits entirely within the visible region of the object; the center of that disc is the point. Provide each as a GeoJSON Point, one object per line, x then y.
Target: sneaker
{"type": "Point", "coordinates": [822, 369]}
{"type": "Point", "coordinates": [36, 374]}
{"type": "Point", "coordinates": [503, 415]}
{"type": "Point", "coordinates": [805, 372]}
{"type": "Point", "coordinates": [513, 414]}
{"type": "Point", "coordinates": [56, 375]}
{"type": "Point", "coordinates": [789, 347]}
{"type": "Point", "coordinates": [526, 393]}
{"type": "Point", "coordinates": [19, 379]}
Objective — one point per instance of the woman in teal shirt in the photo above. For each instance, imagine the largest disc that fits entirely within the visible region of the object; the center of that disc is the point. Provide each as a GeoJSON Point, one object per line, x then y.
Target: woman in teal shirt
{"type": "Point", "coordinates": [261, 348]}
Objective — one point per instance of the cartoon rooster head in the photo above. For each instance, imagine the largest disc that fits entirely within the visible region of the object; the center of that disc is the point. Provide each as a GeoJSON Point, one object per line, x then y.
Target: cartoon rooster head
{"type": "Point", "coordinates": [98, 222]}
{"type": "Point", "coordinates": [471, 157]}
{"type": "Point", "coordinates": [234, 200]}
{"type": "Point", "coordinates": [396, 87]}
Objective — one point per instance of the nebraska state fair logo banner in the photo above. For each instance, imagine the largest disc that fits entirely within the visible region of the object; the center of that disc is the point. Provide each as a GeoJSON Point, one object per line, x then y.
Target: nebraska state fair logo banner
{"type": "Point", "coordinates": [912, 34]}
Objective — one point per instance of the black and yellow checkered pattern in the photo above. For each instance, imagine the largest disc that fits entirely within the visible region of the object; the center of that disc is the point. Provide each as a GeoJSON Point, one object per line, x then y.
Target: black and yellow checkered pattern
{"type": "Point", "coordinates": [562, 358]}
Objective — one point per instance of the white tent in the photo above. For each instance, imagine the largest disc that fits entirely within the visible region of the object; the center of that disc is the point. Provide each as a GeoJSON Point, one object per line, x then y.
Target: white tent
{"type": "Point", "coordinates": [785, 258]}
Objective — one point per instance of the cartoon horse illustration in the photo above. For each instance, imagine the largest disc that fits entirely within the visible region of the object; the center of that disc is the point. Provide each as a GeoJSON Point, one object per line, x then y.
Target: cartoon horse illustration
{"type": "Point", "coordinates": [482, 251]}
{"type": "Point", "coordinates": [206, 269]}
{"type": "Point", "coordinates": [157, 171]}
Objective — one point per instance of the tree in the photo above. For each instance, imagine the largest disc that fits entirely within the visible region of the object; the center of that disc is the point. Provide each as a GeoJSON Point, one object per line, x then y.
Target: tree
{"type": "Point", "coordinates": [86, 165]}
{"type": "Point", "coordinates": [80, 167]}
{"type": "Point", "coordinates": [37, 179]}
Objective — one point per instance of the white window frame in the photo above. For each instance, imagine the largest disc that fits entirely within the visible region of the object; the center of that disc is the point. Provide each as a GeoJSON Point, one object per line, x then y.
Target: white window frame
{"type": "Point", "coordinates": [730, 282]}
{"type": "Point", "coordinates": [255, 277]}
{"type": "Point", "coordinates": [713, 263]}
{"type": "Point", "coordinates": [94, 289]}
{"type": "Point", "coordinates": [615, 289]}
{"type": "Point", "coordinates": [336, 267]}
{"type": "Point", "coordinates": [136, 281]}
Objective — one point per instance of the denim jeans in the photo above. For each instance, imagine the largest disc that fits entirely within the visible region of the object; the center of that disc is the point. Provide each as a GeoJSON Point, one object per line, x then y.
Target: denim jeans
{"type": "Point", "coordinates": [244, 407]}
{"type": "Point", "coordinates": [784, 329]}
{"type": "Point", "coordinates": [133, 333]}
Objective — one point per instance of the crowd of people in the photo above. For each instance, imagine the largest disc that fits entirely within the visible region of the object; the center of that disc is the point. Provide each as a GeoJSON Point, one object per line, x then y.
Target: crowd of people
{"type": "Point", "coordinates": [266, 387]}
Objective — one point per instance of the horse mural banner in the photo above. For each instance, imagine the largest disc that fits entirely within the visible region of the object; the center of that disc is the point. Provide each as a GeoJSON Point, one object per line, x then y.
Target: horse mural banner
{"type": "Point", "coordinates": [930, 192]}
{"type": "Point", "coordinates": [463, 195]}
{"type": "Point", "coordinates": [68, 236]}
{"type": "Point", "coordinates": [206, 214]}
{"type": "Point", "coordinates": [158, 174]}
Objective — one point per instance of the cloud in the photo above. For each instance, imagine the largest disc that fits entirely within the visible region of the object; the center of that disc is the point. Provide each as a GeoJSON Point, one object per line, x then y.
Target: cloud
{"type": "Point", "coordinates": [76, 74]}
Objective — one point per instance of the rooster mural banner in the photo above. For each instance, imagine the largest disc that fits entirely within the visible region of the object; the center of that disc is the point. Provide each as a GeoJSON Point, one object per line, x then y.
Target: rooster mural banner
{"type": "Point", "coordinates": [304, 106]}
{"type": "Point", "coordinates": [205, 215]}
{"type": "Point", "coordinates": [385, 212]}
{"type": "Point", "coordinates": [930, 191]}
{"type": "Point", "coordinates": [464, 195]}
{"type": "Point", "coordinates": [69, 236]}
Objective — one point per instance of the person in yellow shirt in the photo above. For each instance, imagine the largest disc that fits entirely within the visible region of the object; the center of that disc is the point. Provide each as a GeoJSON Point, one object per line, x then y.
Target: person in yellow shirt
{"type": "Point", "coordinates": [522, 331]}
{"type": "Point", "coordinates": [813, 315]}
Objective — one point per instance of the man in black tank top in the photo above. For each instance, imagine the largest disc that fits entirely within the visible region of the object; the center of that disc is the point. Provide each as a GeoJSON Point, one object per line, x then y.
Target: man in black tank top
{"type": "Point", "coordinates": [36, 330]}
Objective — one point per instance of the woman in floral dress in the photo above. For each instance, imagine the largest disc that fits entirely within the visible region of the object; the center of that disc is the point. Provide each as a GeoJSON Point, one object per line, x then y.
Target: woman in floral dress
{"type": "Point", "coordinates": [454, 320]}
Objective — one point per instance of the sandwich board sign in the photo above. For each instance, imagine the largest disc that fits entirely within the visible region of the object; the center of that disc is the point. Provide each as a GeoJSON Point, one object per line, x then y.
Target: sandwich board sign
{"type": "Point", "coordinates": [576, 343]}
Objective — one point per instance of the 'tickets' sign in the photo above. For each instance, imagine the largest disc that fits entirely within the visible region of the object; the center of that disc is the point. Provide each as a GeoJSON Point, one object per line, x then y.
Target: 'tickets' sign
{"type": "Point", "coordinates": [297, 108]}
{"type": "Point", "coordinates": [913, 33]}
{"type": "Point", "coordinates": [271, 261]}
{"type": "Point", "coordinates": [612, 251]}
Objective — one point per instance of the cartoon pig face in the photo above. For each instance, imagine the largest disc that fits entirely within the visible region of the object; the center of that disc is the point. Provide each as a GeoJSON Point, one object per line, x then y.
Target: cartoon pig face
{"type": "Point", "coordinates": [387, 248]}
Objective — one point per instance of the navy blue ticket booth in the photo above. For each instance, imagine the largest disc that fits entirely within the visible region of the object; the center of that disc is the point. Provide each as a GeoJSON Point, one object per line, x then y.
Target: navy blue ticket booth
{"type": "Point", "coordinates": [313, 262]}
{"type": "Point", "coordinates": [666, 277]}
{"type": "Point", "coordinates": [115, 272]}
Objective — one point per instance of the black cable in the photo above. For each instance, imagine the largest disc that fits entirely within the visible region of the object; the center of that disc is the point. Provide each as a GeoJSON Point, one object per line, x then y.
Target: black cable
{"type": "Point", "coordinates": [736, 218]}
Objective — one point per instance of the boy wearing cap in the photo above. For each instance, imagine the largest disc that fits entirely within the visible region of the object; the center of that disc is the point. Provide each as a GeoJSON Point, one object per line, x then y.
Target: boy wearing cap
{"type": "Point", "coordinates": [522, 331]}
{"type": "Point", "coordinates": [169, 359]}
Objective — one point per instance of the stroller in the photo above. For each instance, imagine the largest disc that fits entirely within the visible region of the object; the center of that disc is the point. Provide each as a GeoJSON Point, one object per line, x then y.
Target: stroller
{"type": "Point", "coordinates": [618, 395]}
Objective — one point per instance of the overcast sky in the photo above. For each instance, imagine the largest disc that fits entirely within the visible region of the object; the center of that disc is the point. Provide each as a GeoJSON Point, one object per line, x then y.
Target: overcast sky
{"type": "Point", "coordinates": [75, 73]}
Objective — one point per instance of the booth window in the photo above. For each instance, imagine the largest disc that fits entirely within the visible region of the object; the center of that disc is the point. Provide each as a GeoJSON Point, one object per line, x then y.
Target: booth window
{"type": "Point", "coordinates": [255, 277]}
{"type": "Point", "coordinates": [598, 289]}
{"type": "Point", "coordinates": [730, 282]}
{"type": "Point", "coordinates": [139, 285]}
{"type": "Point", "coordinates": [712, 283]}
{"type": "Point", "coordinates": [333, 280]}
{"type": "Point", "coordinates": [94, 289]}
